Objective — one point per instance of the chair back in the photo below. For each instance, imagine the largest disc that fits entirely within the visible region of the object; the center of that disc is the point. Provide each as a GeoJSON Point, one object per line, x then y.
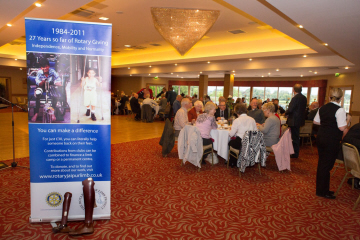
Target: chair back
{"type": "Point", "coordinates": [18, 100]}
{"type": "Point", "coordinates": [351, 157]}
{"type": "Point", "coordinates": [307, 128]}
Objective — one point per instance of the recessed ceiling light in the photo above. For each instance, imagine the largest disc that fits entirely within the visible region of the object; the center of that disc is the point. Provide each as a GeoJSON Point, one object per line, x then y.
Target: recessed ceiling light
{"type": "Point", "coordinates": [156, 76]}
{"type": "Point", "coordinates": [150, 66]}
{"type": "Point", "coordinates": [315, 72]}
{"type": "Point", "coordinates": [233, 71]}
{"type": "Point", "coordinates": [250, 59]}
{"type": "Point", "coordinates": [305, 55]}
{"type": "Point", "coordinates": [177, 75]}
{"type": "Point", "coordinates": [175, 64]}
{"type": "Point", "coordinates": [38, 4]}
{"type": "Point", "coordinates": [234, 74]}
{"type": "Point", "coordinates": [301, 75]}
{"type": "Point", "coordinates": [127, 45]}
{"type": "Point", "coordinates": [182, 77]}
{"type": "Point", "coordinates": [208, 62]}
{"type": "Point", "coordinates": [15, 59]}
{"type": "Point", "coordinates": [172, 73]}
{"type": "Point", "coordinates": [301, 26]}
{"type": "Point", "coordinates": [20, 68]}
{"type": "Point", "coordinates": [9, 25]}
{"type": "Point", "coordinates": [310, 71]}
{"type": "Point", "coordinates": [277, 70]}
{"type": "Point", "coordinates": [200, 72]}
{"type": "Point", "coordinates": [149, 74]}
{"type": "Point", "coordinates": [346, 67]}
{"type": "Point", "coordinates": [103, 18]}
{"type": "Point", "coordinates": [128, 67]}
{"type": "Point", "coordinates": [130, 75]}
{"type": "Point", "coordinates": [326, 44]}
{"type": "Point", "coordinates": [262, 76]}
{"type": "Point", "coordinates": [269, 73]}
{"type": "Point", "coordinates": [197, 10]}
{"type": "Point", "coordinates": [198, 75]}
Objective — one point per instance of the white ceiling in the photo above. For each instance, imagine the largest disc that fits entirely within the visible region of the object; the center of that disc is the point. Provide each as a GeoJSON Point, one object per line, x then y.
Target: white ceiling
{"type": "Point", "coordinates": [271, 36]}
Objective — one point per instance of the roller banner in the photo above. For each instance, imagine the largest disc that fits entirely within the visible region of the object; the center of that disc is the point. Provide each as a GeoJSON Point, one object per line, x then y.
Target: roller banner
{"type": "Point", "coordinates": [68, 81]}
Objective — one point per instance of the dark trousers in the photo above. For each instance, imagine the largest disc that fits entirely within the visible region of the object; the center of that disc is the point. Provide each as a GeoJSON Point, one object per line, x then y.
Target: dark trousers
{"type": "Point", "coordinates": [236, 143]}
{"type": "Point", "coordinates": [138, 115]}
{"type": "Point", "coordinates": [295, 136]}
{"type": "Point", "coordinates": [206, 141]}
{"type": "Point", "coordinates": [328, 150]}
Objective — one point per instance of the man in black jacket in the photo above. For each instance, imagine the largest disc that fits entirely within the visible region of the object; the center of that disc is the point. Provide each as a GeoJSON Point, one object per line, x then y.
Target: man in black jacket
{"type": "Point", "coordinates": [135, 106]}
{"type": "Point", "coordinates": [222, 111]}
{"type": "Point", "coordinates": [296, 117]}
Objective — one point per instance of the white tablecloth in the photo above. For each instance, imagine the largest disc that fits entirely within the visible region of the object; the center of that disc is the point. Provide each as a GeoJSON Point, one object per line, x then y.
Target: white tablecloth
{"type": "Point", "coordinates": [283, 120]}
{"type": "Point", "coordinates": [221, 140]}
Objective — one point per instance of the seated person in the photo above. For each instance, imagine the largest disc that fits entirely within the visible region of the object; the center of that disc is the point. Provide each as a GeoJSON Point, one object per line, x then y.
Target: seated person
{"type": "Point", "coordinates": [161, 93]}
{"type": "Point", "coordinates": [151, 102]}
{"type": "Point", "coordinates": [135, 106]}
{"type": "Point", "coordinates": [240, 125]}
{"type": "Point", "coordinates": [181, 117]}
{"type": "Point", "coordinates": [314, 107]}
{"type": "Point", "coordinates": [49, 75]}
{"type": "Point", "coordinates": [256, 113]}
{"type": "Point", "coordinates": [163, 103]}
{"type": "Point", "coordinates": [271, 127]}
{"type": "Point", "coordinates": [205, 122]}
{"type": "Point", "coordinates": [195, 111]}
{"type": "Point", "coordinates": [177, 104]}
{"type": "Point", "coordinates": [222, 111]}
{"type": "Point", "coordinates": [279, 109]}
{"type": "Point", "coordinates": [123, 101]}
{"type": "Point", "coordinates": [352, 137]}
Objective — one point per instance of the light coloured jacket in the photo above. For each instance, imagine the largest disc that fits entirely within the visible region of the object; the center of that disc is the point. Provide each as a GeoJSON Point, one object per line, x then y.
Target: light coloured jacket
{"type": "Point", "coordinates": [190, 145]}
{"type": "Point", "coordinates": [282, 150]}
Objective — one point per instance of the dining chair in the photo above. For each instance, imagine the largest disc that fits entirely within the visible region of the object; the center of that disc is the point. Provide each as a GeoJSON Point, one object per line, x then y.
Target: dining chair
{"type": "Point", "coordinates": [351, 165]}
{"type": "Point", "coordinates": [232, 152]}
{"type": "Point", "coordinates": [306, 132]}
{"type": "Point", "coordinates": [339, 164]}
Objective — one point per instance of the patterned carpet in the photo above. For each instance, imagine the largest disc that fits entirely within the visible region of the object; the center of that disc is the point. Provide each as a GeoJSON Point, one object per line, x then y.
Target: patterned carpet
{"type": "Point", "coordinates": [156, 198]}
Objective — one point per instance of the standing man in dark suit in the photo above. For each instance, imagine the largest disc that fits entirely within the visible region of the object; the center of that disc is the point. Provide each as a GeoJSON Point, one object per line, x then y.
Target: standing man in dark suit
{"type": "Point", "coordinates": [296, 117]}
{"type": "Point", "coordinates": [222, 111]}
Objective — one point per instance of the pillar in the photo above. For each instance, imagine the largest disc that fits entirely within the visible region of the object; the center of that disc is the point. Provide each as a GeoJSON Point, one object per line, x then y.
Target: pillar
{"type": "Point", "coordinates": [228, 85]}
{"type": "Point", "coordinates": [203, 85]}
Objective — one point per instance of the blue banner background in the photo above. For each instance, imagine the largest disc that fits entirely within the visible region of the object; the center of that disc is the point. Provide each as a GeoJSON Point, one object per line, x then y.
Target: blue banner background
{"type": "Point", "coordinates": [51, 36]}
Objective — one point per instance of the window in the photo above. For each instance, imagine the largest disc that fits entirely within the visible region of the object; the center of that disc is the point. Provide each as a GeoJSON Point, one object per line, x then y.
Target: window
{"type": "Point", "coordinates": [285, 94]}
{"type": "Point", "coordinates": [176, 89]}
{"type": "Point", "coordinates": [271, 93]}
{"type": "Point", "coordinates": [304, 92]}
{"type": "Point", "coordinates": [194, 90]}
{"type": "Point", "coordinates": [215, 93]}
{"type": "Point", "coordinates": [240, 92]}
{"type": "Point", "coordinates": [346, 101]}
{"type": "Point", "coordinates": [258, 92]}
{"type": "Point", "coordinates": [314, 92]}
{"type": "Point", "coordinates": [156, 89]}
{"type": "Point", "coordinates": [184, 90]}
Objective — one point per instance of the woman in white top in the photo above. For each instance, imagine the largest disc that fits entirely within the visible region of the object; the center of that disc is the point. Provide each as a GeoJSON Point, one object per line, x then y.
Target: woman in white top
{"type": "Point", "coordinates": [240, 125]}
{"type": "Point", "coordinates": [90, 97]}
{"type": "Point", "coordinates": [332, 120]}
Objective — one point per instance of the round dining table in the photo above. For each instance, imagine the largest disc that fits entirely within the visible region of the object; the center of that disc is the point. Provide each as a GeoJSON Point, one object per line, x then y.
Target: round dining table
{"type": "Point", "coordinates": [221, 139]}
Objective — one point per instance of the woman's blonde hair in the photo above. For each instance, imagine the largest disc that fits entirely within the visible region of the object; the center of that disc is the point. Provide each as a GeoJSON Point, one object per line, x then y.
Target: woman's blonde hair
{"type": "Point", "coordinates": [199, 103]}
{"type": "Point", "coordinates": [209, 106]}
{"type": "Point", "coordinates": [269, 106]}
{"type": "Point", "coordinates": [336, 94]}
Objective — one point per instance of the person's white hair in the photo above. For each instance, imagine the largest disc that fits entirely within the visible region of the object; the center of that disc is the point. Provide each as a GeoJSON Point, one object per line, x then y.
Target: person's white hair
{"type": "Point", "coordinates": [269, 106]}
{"type": "Point", "coordinates": [209, 106]}
{"type": "Point", "coordinates": [184, 102]}
{"type": "Point", "coordinates": [198, 103]}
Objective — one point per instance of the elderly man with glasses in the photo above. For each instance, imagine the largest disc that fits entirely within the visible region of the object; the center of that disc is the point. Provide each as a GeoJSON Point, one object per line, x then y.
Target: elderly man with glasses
{"type": "Point", "coordinates": [222, 111]}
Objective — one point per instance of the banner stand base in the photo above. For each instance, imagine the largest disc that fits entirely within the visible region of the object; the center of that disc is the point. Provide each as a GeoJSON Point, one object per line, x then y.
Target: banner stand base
{"type": "Point", "coordinates": [73, 218]}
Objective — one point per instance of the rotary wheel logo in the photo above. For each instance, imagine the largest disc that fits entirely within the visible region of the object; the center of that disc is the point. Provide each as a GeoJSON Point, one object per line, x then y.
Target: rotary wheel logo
{"type": "Point", "coordinates": [100, 199]}
{"type": "Point", "coordinates": [54, 199]}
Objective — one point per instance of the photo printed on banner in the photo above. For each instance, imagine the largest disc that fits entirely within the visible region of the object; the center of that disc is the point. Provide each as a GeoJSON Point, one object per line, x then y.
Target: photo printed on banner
{"type": "Point", "coordinates": [48, 79]}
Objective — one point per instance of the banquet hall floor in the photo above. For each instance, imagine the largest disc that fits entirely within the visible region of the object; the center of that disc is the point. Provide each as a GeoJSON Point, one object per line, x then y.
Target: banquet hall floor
{"type": "Point", "coordinates": [122, 130]}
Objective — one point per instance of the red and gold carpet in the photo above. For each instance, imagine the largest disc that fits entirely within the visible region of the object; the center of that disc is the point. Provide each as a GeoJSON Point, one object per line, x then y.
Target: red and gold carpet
{"type": "Point", "coordinates": [156, 198]}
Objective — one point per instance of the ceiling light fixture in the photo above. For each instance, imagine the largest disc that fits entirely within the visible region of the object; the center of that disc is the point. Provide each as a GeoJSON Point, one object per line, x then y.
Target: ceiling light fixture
{"type": "Point", "coordinates": [304, 56]}
{"type": "Point", "coordinates": [200, 72]}
{"type": "Point", "coordinates": [301, 26]}
{"type": "Point", "coordinates": [15, 59]}
{"type": "Point", "coordinates": [175, 64]}
{"type": "Point", "coordinates": [277, 70]}
{"type": "Point", "coordinates": [262, 76]}
{"type": "Point", "coordinates": [38, 4]}
{"type": "Point", "coordinates": [326, 44]}
{"type": "Point", "coordinates": [103, 18]}
{"type": "Point", "coordinates": [269, 73]}
{"type": "Point", "coordinates": [346, 67]}
{"type": "Point", "coordinates": [310, 71]}
{"type": "Point", "coordinates": [233, 71]}
{"type": "Point", "coordinates": [208, 62]}
{"type": "Point", "coordinates": [9, 25]}
{"type": "Point", "coordinates": [127, 45]}
{"type": "Point", "coordinates": [182, 77]}
{"type": "Point", "coordinates": [149, 74]}
{"type": "Point", "coordinates": [301, 75]}
{"type": "Point", "coordinates": [130, 75]}
{"type": "Point", "coordinates": [128, 67]}
{"type": "Point", "coordinates": [150, 66]}
{"type": "Point", "coordinates": [234, 74]}
{"type": "Point", "coordinates": [250, 59]}
{"type": "Point", "coordinates": [315, 72]}
{"type": "Point", "coordinates": [20, 68]}
{"type": "Point", "coordinates": [177, 75]}
{"type": "Point", "coordinates": [172, 73]}
{"type": "Point", "coordinates": [185, 28]}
